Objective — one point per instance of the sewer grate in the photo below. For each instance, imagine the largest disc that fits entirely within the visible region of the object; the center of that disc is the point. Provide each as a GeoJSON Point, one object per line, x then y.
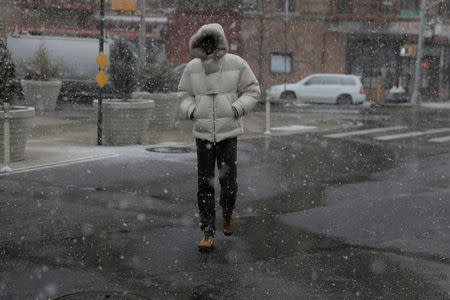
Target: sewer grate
{"type": "Point", "coordinates": [102, 295]}
{"type": "Point", "coordinates": [170, 150]}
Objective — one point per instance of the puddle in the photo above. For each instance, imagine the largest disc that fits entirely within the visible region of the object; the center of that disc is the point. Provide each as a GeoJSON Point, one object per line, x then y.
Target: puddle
{"type": "Point", "coordinates": [171, 150]}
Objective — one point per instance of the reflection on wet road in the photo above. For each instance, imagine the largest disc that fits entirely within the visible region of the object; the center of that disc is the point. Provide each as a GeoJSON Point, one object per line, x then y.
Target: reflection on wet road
{"type": "Point", "coordinates": [129, 224]}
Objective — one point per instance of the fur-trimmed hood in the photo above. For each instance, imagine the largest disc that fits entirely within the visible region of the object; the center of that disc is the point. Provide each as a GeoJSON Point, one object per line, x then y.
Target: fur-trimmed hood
{"type": "Point", "coordinates": [213, 30]}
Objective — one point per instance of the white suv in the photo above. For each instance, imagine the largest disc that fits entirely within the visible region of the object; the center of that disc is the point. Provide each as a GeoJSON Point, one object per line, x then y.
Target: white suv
{"type": "Point", "coordinates": [321, 88]}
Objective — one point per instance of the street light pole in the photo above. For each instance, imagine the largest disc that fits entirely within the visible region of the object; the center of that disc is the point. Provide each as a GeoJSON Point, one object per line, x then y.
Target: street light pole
{"type": "Point", "coordinates": [416, 96]}
{"type": "Point", "coordinates": [100, 97]}
{"type": "Point", "coordinates": [286, 11]}
{"type": "Point", "coordinates": [142, 46]}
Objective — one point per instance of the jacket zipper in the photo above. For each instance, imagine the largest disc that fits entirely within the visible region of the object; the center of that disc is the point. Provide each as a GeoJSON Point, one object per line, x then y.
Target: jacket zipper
{"type": "Point", "coordinates": [214, 118]}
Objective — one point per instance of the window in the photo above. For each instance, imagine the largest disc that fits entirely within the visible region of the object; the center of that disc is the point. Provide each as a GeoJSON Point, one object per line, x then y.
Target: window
{"type": "Point", "coordinates": [347, 81]}
{"type": "Point", "coordinates": [315, 80]}
{"type": "Point", "coordinates": [371, 58]}
{"type": "Point", "coordinates": [411, 5]}
{"type": "Point", "coordinates": [169, 3]}
{"type": "Point", "coordinates": [282, 5]}
{"type": "Point", "coordinates": [331, 80]}
{"type": "Point", "coordinates": [250, 4]}
{"type": "Point", "coordinates": [280, 63]}
{"type": "Point", "coordinates": [344, 7]}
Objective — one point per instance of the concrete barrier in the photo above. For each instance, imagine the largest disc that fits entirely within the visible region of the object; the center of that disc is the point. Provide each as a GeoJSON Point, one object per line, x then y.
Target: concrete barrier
{"type": "Point", "coordinates": [165, 113]}
{"type": "Point", "coordinates": [125, 123]}
{"type": "Point", "coordinates": [41, 94]}
{"type": "Point", "coordinates": [21, 124]}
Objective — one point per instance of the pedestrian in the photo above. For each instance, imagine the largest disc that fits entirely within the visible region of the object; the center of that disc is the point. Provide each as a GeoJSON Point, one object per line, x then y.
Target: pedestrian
{"type": "Point", "coordinates": [216, 89]}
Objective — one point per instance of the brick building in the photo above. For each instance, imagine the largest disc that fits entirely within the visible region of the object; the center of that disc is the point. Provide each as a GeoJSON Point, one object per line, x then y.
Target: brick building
{"type": "Point", "coordinates": [74, 18]}
{"type": "Point", "coordinates": [288, 42]}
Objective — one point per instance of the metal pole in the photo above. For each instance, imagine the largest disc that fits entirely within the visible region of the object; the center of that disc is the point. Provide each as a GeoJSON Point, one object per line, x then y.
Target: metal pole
{"type": "Point", "coordinates": [260, 62]}
{"type": "Point", "coordinates": [416, 96]}
{"type": "Point", "coordinates": [286, 9]}
{"type": "Point", "coordinates": [142, 46]}
{"type": "Point", "coordinates": [100, 96]}
{"type": "Point", "coordinates": [261, 43]}
{"type": "Point", "coordinates": [267, 116]}
{"type": "Point", "coordinates": [6, 137]}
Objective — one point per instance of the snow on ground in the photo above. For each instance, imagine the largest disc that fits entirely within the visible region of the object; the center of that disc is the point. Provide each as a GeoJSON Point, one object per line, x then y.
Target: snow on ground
{"type": "Point", "coordinates": [293, 128]}
{"type": "Point", "coordinates": [439, 105]}
{"type": "Point", "coordinates": [301, 104]}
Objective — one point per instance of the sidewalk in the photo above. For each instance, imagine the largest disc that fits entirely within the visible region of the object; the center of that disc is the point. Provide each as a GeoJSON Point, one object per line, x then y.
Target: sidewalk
{"type": "Point", "coordinates": [69, 135]}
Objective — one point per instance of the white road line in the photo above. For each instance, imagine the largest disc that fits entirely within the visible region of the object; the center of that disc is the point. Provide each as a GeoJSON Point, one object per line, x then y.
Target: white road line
{"type": "Point", "coordinates": [411, 134]}
{"type": "Point", "coordinates": [58, 164]}
{"type": "Point", "coordinates": [362, 132]}
{"type": "Point", "coordinates": [441, 139]}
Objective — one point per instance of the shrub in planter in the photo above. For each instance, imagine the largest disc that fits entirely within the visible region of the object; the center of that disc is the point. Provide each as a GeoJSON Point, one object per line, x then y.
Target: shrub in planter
{"type": "Point", "coordinates": [125, 120]}
{"type": "Point", "coordinates": [8, 82]}
{"type": "Point", "coordinates": [41, 88]}
{"type": "Point", "coordinates": [122, 73]}
{"type": "Point", "coordinates": [159, 77]}
{"type": "Point", "coordinates": [20, 118]}
{"type": "Point", "coordinates": [161, 81]}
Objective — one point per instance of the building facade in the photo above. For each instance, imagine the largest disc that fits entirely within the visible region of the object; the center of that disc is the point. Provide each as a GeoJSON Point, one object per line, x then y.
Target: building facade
{"type": "Point", "coordinates": [283, 40]}
{"type": "Point", "coordinates": [76, 18]}
{"type": "Point", "coordinates": [377, 30]}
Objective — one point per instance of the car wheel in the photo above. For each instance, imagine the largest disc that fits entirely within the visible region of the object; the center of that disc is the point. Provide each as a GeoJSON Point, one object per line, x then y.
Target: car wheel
{"type": "Point", "coordinates": [288, 95]}
{"type": "Point", "coordinates": [344, 99]}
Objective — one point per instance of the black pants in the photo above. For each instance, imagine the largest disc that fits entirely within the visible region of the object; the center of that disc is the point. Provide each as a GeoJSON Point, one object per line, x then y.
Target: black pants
{"type": "Point", "coordinates": [225, 154]}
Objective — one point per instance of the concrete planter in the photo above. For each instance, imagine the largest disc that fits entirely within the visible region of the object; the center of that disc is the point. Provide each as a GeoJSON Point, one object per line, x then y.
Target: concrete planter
{"type": "Point", "coordinates": [41, 94]}
{"type": "Point", "coordinates": [20, 126]}
{"type": "Point", "coordinates": [125, 123]}
{"type": "Point", "coordinates": [166, 109]}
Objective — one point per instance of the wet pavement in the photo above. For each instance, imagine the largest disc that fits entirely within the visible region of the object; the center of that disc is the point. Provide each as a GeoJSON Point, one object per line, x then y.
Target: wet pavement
{"type": "Point", "coordinates": [317, 218]}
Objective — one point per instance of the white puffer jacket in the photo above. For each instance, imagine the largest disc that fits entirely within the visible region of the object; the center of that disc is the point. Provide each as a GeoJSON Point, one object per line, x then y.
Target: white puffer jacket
{"type": "Point", "coordinates": [212, 84]}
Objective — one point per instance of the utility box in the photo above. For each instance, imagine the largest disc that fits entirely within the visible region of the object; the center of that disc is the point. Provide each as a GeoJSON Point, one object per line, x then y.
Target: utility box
{"type": "Point", "coordinates": [124, 5]}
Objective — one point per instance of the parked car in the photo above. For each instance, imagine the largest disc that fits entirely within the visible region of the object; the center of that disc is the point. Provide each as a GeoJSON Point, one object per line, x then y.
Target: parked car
{"type": "Point", "coordinates": [321, 88]}
{"type": "Point", "coordinates": [397, 95]}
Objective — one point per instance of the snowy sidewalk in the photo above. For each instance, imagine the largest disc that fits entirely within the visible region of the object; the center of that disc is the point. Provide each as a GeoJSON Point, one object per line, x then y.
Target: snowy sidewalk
{"type": "Point", "coordinates": [69, 136]}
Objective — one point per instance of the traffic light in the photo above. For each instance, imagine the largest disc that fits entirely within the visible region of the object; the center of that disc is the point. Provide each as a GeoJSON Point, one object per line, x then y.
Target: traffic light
{"type": "Point", "coordinates": [425, 64]}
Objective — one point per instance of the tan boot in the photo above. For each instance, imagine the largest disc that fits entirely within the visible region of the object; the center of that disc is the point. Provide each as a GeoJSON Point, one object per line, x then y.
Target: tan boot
{"type": "Point", "coordinates": [207, 242]}
{"type": "Point", "coordinates": [228, 224]}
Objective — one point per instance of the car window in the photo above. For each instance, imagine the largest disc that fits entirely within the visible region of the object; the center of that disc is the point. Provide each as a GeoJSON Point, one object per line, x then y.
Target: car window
{"type": "Point", "coordinates": [331, 80]}
{"type": "Point", "coordinates": [315, 80]}
{"type": "Point", "coordinates": [347, 81]}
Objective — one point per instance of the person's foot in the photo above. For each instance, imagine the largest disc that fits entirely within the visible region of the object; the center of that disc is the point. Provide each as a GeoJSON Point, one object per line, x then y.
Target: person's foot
{"type": "Point", "coordinates": [207, 242]}
{"type": "Point", "coordinates": [228, 223]}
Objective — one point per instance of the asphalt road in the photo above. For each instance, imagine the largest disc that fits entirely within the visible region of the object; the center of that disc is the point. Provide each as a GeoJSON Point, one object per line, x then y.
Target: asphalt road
{"type": "Point", "coordinates": [318, 217]}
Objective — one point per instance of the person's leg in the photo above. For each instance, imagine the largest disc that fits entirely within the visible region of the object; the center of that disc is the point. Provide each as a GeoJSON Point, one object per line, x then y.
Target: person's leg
{"type": "Point", "coordinates": [206, 163]}
{"type": "Point", "coordinates": [226, 162]}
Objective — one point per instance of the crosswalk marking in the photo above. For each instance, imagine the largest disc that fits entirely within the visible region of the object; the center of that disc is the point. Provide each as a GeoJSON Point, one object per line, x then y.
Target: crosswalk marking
{"type": "Point", "coordinates": [411, 134]}
{"type": "Point", "coordinates": [441, 139]}
{"type": "Point", "coordinates": [362, 132]}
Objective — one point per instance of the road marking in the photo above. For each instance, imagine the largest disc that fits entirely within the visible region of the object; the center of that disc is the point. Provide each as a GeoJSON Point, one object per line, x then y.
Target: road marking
{"type": "Point", "coordinates": [441, 139]}
{"type": "Point", "coordinates": [362, 132]}
{"type": "Point", "coordinates": [411, 134]}
{"type": "Point", "coordinates": [58, 164]}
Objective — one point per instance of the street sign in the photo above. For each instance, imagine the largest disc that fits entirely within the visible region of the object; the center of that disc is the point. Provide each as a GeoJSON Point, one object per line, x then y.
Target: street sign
{"type": "Point", "coordinates": [101, 79]}
{"type": "Point", "coordinates": [124, 5]}
{"type": "Point", "coordinates": [101, 60]}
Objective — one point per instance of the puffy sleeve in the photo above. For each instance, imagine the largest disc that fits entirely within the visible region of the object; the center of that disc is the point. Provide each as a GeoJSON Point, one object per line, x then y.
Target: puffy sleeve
{"type": "Point", "coordinates": [249, 90]}
{"type": "Point", "coordinates": [186, 96]}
